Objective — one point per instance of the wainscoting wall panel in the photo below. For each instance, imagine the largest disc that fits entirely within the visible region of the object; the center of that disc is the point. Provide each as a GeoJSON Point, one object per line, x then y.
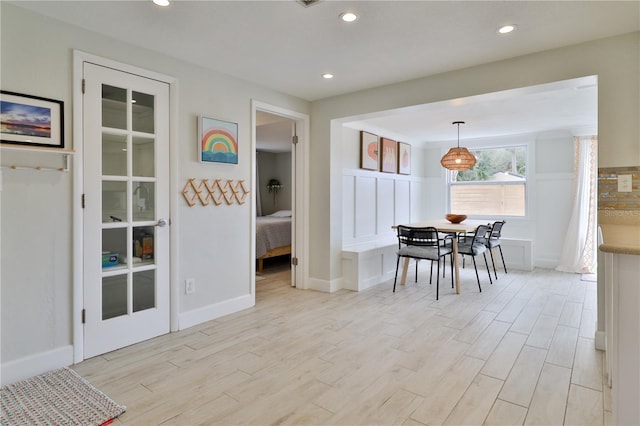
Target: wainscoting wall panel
{"type": "Point", "coordinates": [372, 203]}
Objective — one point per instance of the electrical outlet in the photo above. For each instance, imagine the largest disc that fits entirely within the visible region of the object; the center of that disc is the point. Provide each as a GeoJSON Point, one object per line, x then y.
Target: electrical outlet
{"type": "Point", "coordinates": [625, 183]}
{"type": "Point", "coordinates": [189, 286]}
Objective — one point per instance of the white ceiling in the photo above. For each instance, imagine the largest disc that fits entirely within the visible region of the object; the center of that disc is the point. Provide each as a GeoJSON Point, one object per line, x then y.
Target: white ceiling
{"type": "Point", "coordinates": [286, 46]}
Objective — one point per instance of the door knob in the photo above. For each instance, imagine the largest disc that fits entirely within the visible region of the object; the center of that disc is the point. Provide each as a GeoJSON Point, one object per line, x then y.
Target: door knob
{"type": "Point", "coordinates": [162, 222]}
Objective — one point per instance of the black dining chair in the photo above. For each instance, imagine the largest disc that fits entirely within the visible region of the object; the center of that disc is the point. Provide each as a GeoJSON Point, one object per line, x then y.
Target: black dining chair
{"type": "Point", "coordinates": [422, 244]}
{"type": "Point", "coordinates": [494, 241]}
{"type": "Point", "coordinates": [474, 245]}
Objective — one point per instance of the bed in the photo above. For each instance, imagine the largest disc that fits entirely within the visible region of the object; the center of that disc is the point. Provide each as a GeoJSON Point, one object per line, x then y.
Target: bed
{"type": "Point", "coordinates": [273, 236]}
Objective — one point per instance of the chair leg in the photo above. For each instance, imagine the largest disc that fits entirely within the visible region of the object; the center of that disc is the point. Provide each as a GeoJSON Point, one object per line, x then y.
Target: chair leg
{"type": "Point", "coordinates": [431, 273]}
{"type": "Point", "coordinates": [503, 264]}
{"type": "Point", "coordinates": [396, 278]}
{"type": "Point", "coordinates": [417, 270]}
{"type": "Point", "coordinates": [487, 265]}
{"type": "Point", "coordinates": [438, 280]}
{"type": "Point", "coordinates": [493, 263]}
{"type": "Point", "coordinates": [444, 264]}
{"type": "Point", "coordinates": [476, 268]}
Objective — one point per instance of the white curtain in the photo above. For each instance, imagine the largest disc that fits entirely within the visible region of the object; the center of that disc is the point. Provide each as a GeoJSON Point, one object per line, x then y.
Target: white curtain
{"type": "Point", "coordinates": [579, 250]}
{"type": "Point", "coordinates": [258, 202]}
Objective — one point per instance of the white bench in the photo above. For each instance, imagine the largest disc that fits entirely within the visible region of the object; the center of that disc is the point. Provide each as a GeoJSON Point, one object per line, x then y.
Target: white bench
{"type": "Point", "coordinates": [367, 264]}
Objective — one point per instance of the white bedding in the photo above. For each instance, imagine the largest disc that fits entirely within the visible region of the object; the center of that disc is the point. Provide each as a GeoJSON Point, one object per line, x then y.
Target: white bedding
{"type": "Point", "coordinates": [272, 232]}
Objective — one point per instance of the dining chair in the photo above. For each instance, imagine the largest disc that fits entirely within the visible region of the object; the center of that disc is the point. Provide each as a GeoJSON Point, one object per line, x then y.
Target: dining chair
{"type": "Point", "coordinates": [494, 241]}
{"type": "Point", "coordinates": [474, 245]}
{"type": "Point", "coordinates": [422, 244]}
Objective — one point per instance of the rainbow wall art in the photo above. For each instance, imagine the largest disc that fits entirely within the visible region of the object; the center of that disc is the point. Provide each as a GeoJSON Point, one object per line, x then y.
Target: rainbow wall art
{"type": "Point", "coordinates": [218, 141]}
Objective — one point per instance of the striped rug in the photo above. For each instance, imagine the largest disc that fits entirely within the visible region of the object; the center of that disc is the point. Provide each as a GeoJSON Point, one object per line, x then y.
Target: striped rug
{"type": "Point", "coordinates": [59, 397]}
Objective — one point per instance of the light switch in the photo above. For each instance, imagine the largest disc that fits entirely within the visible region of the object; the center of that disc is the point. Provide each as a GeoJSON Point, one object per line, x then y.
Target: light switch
{"type": "Point", "coordinates": [624, 183]}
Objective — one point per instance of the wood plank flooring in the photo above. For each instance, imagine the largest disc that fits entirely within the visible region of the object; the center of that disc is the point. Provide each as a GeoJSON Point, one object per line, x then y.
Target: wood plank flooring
{"type": "Point", "coordinates": [520, 352]}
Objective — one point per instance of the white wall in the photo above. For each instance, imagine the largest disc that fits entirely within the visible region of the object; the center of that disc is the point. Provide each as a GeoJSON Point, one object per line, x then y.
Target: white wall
{"type": "Point", "coordinates": [214, 242]}
{"type": "Point", "coordinates": [614, 60]}
{"type": "Point", "coordinates": [374, 201]}
{"type": "Point", "coordinates": [549, 191]}
{"type": "Point", "coordinates": [274, 165]}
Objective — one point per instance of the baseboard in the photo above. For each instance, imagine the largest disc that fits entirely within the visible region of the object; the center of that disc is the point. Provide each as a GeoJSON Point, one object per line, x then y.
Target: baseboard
{"type": "Point", "coordinates": [33, 365]}
{"type": "Point", "coordinates": [326, 286]}
{"type": "Point", "coordinates": [211, 312]}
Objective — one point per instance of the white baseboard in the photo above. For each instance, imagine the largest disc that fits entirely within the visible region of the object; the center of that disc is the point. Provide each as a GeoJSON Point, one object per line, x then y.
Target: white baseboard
{"type": "Point", "coordinates": [33, 365]}
{"type": "Point", "coordinates": [211, 312]}
{"type": "Point", "coordinates": [326, 286]}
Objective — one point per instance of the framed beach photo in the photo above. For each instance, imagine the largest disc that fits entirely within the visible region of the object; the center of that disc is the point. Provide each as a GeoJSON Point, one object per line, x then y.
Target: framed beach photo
{"type": "Point", "coordinates": [389, 156]}
{"type": "Point", "coordinates": [31, 120]}
{"type": "Point", "coordinates": [404, 158]}
{"type": "Point", "coordinates": [368, 151]}
{"type": "Point", "coordinates": [217, 141]}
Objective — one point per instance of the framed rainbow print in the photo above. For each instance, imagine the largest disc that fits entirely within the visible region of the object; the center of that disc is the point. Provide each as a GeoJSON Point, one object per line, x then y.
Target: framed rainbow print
{"type": "Point", "coordinates": [217, 141]}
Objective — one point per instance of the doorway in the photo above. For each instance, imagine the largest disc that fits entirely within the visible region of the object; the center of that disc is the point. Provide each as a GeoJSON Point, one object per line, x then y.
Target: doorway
{"type": "Point", "coordinates": [279, 141]}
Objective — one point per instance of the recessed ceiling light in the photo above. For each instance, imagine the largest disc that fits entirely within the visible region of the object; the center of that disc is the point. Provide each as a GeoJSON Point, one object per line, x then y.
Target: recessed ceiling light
{"type": "Point", "coordinates": [348, 16]}
{"type": "Point", "coordinates": [506, 29]}
{"type": "Point", "coordinates": [327, 75]}
{"type": "Point", "coordinates": [163, 3]}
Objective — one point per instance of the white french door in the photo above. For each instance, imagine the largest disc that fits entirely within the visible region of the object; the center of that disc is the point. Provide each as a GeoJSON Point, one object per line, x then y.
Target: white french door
{"type": "Point", "coordinates": [126, 209]}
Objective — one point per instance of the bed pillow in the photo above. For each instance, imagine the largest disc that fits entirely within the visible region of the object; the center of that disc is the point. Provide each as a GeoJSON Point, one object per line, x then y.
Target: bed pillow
{"type": "Point", "coordinates": [281, 213]}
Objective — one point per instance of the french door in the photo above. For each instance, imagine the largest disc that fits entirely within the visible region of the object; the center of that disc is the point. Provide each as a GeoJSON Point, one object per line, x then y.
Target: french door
{"type": "Point", "coordinates": [126, 209]}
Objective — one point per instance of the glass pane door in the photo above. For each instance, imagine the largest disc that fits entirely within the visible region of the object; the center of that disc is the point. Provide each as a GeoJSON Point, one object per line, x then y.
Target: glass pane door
{"type": "Point", "coordinates": [128, 184]}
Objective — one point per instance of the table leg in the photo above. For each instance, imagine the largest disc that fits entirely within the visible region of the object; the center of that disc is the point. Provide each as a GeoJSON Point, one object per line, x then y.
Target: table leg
{"type": "Point", "coordinates": [405, 268]}
{"type": "Point", "coordinates": [456, 265]}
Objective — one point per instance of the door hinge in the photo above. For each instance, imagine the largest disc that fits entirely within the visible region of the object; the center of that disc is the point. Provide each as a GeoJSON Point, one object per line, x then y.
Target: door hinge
{"type": "Point", "coordinates": [294, 139]}
{"type": "Point", "coordinates": [82, 201]}
{"type": "Point", "coordinates": [84, 83]}
{"type": "Point", "coordinates": [294, 261]}
{"type": "Point", "coordinates": [83, 316]}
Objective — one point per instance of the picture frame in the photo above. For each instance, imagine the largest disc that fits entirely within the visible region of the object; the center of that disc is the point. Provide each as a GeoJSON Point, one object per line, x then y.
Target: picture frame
{"type": "Point", "coordinates": [369, 151]}
{"type": "Point", "coordinates": [404, 158]}
{"type": "Point", "coordinates": [389, 155]}
{"type": "Point", "coordinates": [31, 120]}
{"type": "Point", "coordinates": [217, 140]}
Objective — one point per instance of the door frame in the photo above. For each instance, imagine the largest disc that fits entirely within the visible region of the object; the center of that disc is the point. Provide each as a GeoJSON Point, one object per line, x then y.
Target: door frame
{"type": "Point", "coordinates": [300, 181]}
{"type": "Point", "coordinates": [79, 58]}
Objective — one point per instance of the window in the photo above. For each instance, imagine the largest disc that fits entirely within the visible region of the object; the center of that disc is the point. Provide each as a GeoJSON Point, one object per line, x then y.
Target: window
{"type": "Point", "coordinates": [496, 186]}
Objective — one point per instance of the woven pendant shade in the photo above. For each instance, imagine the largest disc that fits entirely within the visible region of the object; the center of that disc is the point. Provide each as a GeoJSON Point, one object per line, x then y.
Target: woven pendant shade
{"type": "Point", "coordinates": [458, 158]}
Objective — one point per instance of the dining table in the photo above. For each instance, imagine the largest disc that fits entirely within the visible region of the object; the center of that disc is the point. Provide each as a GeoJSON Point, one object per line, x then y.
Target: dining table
{"type": "Point", "coordinates": [445, 226]}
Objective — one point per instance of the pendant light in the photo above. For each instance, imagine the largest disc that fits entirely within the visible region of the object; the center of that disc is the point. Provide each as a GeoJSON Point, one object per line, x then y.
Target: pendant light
{"type": "Point", "coordinates": [458, 158]}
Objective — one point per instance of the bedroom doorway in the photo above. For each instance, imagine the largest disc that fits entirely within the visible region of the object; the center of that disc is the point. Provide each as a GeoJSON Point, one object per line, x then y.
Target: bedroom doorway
{"type": "Point", "coordinates": [279, 196]}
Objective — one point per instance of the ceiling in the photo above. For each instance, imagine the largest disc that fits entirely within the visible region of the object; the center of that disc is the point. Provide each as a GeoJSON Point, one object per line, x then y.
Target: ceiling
{"type": "Point", "coordinates": [286, 46]}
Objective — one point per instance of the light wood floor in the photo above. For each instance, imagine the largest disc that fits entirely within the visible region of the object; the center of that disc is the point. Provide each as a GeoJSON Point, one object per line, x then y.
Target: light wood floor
{"type": "Point", "coordinates": [520, 352]}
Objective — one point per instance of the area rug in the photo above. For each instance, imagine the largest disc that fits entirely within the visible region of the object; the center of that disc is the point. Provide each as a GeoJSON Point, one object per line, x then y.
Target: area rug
{"type": "Point", "coordinates": [59, 397]}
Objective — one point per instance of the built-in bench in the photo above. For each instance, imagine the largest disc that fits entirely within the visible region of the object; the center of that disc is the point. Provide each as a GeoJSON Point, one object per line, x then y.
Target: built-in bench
{"type": "Point", "coordinates": [367, 264]}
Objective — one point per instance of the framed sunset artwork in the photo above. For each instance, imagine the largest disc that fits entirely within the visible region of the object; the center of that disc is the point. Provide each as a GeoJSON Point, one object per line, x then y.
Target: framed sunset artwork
{"type": "Point", "coordinates": [369, 148]}
{"type": "Point", "coordinates": [389, 156]}
{"type": "Point", "coordinates": [404, 158]}
{"type": "Point", "coordinates": [31, 120]}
